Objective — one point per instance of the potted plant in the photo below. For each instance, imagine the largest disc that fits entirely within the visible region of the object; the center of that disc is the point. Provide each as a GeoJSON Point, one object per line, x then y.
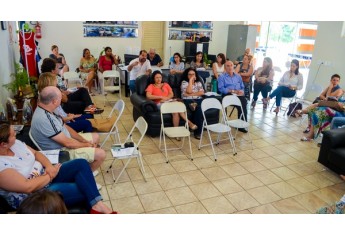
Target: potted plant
{"type": "Point", "coordinates": [21, 85]}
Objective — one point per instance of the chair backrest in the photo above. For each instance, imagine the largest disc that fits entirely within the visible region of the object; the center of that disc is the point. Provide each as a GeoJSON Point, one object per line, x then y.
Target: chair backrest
{"type": "Point", "coordinates": [210, 103]}
{"type": "Point", "coordinates": [232, 100]}
{"type": "Point", "coordinates": [111, 74]}
{"type": "Point", "coordinates": [141, 125]}
{"type": "Point", "coordinates": [173, 107]}
{"type": "Point", "coordinates": [120, 107]}
{"type": "Point", "coordinates": [70, 75]}
{"type": "Point", "coordinates": [34, 141]}
{"type": "Point", "coordinates": [129, 57]}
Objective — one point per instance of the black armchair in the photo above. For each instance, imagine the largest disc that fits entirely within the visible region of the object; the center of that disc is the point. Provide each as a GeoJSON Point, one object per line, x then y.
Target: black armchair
{"type": "Point", "coordinates": [148, 109]}
{"type": "Point", "coordinates": [332, 151]}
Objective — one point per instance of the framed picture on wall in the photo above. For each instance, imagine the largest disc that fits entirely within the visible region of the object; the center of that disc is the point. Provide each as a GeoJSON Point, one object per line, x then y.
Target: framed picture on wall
{"type": "Point", "coordinates": [4, 25]}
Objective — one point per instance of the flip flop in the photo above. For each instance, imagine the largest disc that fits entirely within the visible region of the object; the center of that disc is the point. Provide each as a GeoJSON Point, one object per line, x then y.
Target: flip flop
{"type": "Point", "coordinates": [305, 139]}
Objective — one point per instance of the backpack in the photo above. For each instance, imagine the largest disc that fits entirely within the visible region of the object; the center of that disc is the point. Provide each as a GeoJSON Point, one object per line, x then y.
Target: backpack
{"type": "Point", "coordinates": [294, 106]}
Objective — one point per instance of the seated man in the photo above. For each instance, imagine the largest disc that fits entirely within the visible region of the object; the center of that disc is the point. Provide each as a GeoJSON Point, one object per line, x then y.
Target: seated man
{"type": "Point", "coordinates": [154, 58]}
{"type": "Point", "coordinates": [50, 132]}
{"type": "Point", "coordinates": [231, 83]}
{"type": "Point", "coordinates": [137, 67]}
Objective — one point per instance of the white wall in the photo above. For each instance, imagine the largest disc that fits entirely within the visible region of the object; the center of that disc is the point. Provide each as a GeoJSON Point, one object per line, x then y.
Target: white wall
{"type": "Point", "coordinates": [330, 47]}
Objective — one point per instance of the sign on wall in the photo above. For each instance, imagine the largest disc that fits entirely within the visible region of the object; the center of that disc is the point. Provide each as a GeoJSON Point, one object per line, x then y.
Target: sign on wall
{"type": "Point", "coordinates": [190, 30]}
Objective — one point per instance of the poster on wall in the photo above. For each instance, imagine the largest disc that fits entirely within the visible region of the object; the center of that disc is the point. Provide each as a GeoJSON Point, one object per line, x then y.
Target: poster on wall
{"type": "Point", "coordinates": [190, 30]}
{"type": "Point", "coordinates": [189, 35]}
{"type": "Point", "coordinates": [115, 29]}
{"type": "Point", "coordinates": [191, 24]}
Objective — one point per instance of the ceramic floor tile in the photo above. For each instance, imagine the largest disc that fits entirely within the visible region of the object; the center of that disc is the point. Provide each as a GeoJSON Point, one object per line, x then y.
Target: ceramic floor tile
{"type": "Point", "coordinates": [204, 162]}
{"type": "Point", "coordinates": [310, 201]}
{"type": "Point", "coordinates": [302, 185]}
{"type": "Point", "coordinates": [121, 190]}
{"type": "Point", "coordinates": [135, 173]}
{"type": "Point", "coordinates": [149, 186]}
{"type": "Point", "coordinates": [332, 176]}
{"type": "Point", "coordinates": [184, 165]}
{"type": "Point", "coordinates": [285, 159]}
{"type": "Point", "coordinates": [267, 177]}
{"type": "Point", "coordinates": [283, 189]}
{"type": "Point", "coordinates": [256, 153]}
{"type": "Point", "coordinates": [162, 169]}
{"type": "Point", "coordinates": [285, 173]}
{"type": "Point", "coordinates": [264, 209]}
{"type": "Point", "coordinates": [263, 195]}
{"type": "Point", "coordinates": [128, 205]}
{"type": "Point", "coordinates": [214, 173]}
{"type": "Point", "coordinates": [242, 212]}
{"type": "Point", "coordinates": [171, 181]}
{"type": "Point", "coordinates": [234, 169]}
{"type": "Point", "coordinates": [155, 201]}
{"type": "Point", "coordinates": [242, 200]}
{"type": "Point", "coordinates": [204, 190]}
{"type": "Point", "coordinates": [270, 162]}
{"type": "Point", "coordinates": [319, 180]}
{"type": "Point", "coordinates": [191, 208]}
{"type": "Point", "coordinates": [248, 181]}
{"type": "Point", "coordinates": [193, 177]}
{"type": "Point", "coordinates": [228, 185]}
{"type": "Point", "coordinates": [179, 196]}
{"type": "Point", "coordinates": [328, 195]}
{"type": "Point", "coordinates": [252, 166]}
{"type": "Point", "coordinates": [218, 205]}
{"type": "Point", "coordinates": [169, 210]}
{"type": "Point", "coordinates": [290, 206]}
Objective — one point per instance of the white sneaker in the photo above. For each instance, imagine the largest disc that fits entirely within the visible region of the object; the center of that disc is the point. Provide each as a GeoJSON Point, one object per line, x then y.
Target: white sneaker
{"type": "Point", "coordinates": [95, 173]}
{"type": "Point", "coordinates": [98, 186]}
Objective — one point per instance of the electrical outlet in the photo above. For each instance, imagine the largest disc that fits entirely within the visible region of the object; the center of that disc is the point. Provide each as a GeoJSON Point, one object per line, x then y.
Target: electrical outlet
{"type": "Point", "coordinates": [319, 62]}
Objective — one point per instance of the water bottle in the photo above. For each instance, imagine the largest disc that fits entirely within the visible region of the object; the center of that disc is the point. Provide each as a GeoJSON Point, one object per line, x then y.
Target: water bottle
{"type": "Point", "coordinates": [2, 114]}
{"type": "Point", "coordinates": [13, 108]}
{"type": "Point", "coordinates": [27, 111]}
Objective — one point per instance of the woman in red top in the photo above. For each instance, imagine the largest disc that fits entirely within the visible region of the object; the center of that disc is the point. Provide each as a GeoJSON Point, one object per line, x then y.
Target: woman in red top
{"type": "Point", "coordinates": [105, 63]}
{"type": "Point", "coordinates": [161, 92]}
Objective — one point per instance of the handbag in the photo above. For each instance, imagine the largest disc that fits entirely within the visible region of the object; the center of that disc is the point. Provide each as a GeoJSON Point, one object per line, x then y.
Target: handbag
{"type": "Point", "coordinates": [332, 104]}
{"type": "Point", "coordinates": [103, 124]}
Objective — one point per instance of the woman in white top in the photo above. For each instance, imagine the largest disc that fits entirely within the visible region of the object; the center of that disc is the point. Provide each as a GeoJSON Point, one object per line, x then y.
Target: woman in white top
{"type": "Point", "coordinates": [217, 68]}
{"type": "Point", "coordinates": [177, 66]}
{"type": "Point", "coordinates": [291, 81]}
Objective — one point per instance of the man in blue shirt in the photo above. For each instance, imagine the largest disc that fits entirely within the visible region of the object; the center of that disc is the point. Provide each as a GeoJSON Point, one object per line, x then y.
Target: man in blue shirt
{"type": "Point", "coordinates": [155, 59]}
{"type": "Point", "coordinates": [231, 83]}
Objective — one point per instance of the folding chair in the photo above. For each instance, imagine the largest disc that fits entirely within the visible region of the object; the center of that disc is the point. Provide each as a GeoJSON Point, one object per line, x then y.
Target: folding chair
{"type": "Point", "coordinates": [219, 128]}
{"type": "Point", "coordinates": [34, 141]}
{"type": "Point", "coordinates": [119, 107]}
{"type": "Point", "coordinates": [72, 76]}
{"type": "Point", "coordinates": [141, 126]}
{"type": "Point", "coordinates": [232, 100]}
{"type": "Point", "coordinates": [174, 132]}
{"type": "Point", "coordinates": [285, 108]}
{"type": "Point", "coordinates": [114, 74]}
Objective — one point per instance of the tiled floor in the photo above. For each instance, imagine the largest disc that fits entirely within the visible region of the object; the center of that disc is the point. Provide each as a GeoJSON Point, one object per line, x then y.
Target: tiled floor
{"type": "Point", "coordinates": [281, 174]}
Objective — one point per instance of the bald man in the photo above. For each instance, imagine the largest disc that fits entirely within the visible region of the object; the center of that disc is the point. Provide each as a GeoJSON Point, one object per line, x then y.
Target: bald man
{"type": "Point", "coordinates": [154, 58]}
{"type": "Point", "coordinates": [50, 132]}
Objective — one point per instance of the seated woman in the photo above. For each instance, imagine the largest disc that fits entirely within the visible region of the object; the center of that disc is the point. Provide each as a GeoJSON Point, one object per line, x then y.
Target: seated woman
{"type": "Point", "coordinates": [60, 59]}
{"type": "Point", "coordinates": [78, 122]}
{"type": "Point", "coordinates": [245, 70]}
{"type": "Point", "coordinates": [105, 63]}
{"type": "Point", "coordinates": [192, 91]}
{"type": "Point", "coordinates": [332, 92]}
{"type": "Point", "coordinates": [72, 102]}
{"type": "Point", "coordinates": [263, 81]}
{"type": "Point", "coordinates": [198, 62]}
{"type": "Point", "coordinates": [177, 66]}
{"type": "Point", "coordinates": [217, 68]}
{"type": "Point", "coordinates": [24, 171]}
{"type": "Point", "coordinates": [88, 67]}
{"type": "Point", "coordinates": [291, 81]}
{"type": "Point", "coordinates": [161, 92]}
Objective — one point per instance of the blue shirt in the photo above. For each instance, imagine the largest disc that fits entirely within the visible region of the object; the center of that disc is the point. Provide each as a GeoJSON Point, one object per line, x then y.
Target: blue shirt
{"type": "Point", "coordinates": [156, 59]}
{"type": "Point", "coordinates": [227, 82]}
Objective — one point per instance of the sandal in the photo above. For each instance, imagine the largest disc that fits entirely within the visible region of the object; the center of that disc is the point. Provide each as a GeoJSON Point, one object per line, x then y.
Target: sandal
{"type": "Point", "coordinates": [305, 139]}
{"type": "Point", "coordinates": [193, 127]}
{"type": "Point", "coordinates": [307, 130]}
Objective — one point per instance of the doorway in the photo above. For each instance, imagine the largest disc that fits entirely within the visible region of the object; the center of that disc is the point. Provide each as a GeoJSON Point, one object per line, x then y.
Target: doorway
{"type": "Point", "coordinates": [153, 36]}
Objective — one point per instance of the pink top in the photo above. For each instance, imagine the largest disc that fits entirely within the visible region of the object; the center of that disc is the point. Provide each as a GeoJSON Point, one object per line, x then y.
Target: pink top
{"type": "Point", "coordinates": [105, 64]}
{"type": "Point", "coordinates": [164, 91]}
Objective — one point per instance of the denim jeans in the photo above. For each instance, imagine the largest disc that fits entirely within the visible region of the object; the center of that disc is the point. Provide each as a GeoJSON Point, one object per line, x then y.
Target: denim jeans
{"type": "Point", "coordinates": [76, 183]}
{"type": "Point", "coordinates": [263, 88]}
{"type": "Point", "coordinates": [132, 86]}
{"type": "Point", "coordinates": [280, 92]}
{"type": "Point", "coordinates": [337, 122]}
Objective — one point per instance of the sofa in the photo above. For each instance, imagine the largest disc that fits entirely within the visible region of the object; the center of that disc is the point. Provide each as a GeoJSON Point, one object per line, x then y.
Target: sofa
{"type": "Point", "coordinates": [332, 151]}
{"type": "Point", "coordinates": [149, 110]}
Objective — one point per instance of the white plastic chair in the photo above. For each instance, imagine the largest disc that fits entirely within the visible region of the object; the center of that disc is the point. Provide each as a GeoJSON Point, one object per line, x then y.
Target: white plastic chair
{"type": "Point", "coordinates": [141, 126]}
{"type": "Point", "coordinates": [114, 74]}
{"type": "Point", "coordinates": [119, 106]}
{"type": "Point", "coordinates": [219, 128]}
{"type": "Point", "coordinates": [34, 141]}
{"type": "Point", "coordinates": [174, 132]}
{"type": "Point", "coordinates": [232, 100]}
{"type": "Point", "coordinates": [72, 76]}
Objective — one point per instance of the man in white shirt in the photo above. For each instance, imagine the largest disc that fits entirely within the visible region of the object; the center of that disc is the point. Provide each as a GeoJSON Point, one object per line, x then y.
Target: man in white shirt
{"type": "Point", "coordinates": [138, 66]}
